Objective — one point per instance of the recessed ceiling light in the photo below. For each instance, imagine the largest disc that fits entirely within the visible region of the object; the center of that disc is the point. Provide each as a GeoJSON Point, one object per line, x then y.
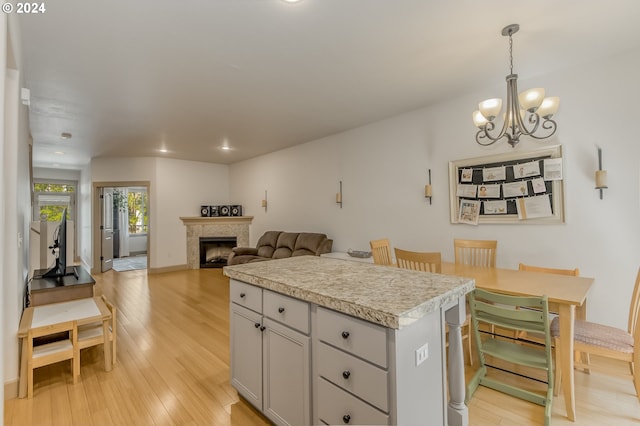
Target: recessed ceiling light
{"type": "Point", "coordinates": [65, 135]}
{"type": "Point", "coordinates": [59, 153]}
{"type": "Point", "coordinates": [165, 150]}
{"type": "Point", "coordinates": [291, 1]}
{"type": "Point", "coordinates": [225, 148]}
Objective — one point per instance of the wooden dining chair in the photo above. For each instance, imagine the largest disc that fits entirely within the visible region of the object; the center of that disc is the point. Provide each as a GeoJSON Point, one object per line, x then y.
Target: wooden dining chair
{"type": "Point", "coordinates": [475, 252]}
{"type": "Point", "coordinates": [93, 334]}
{"type": "Point", "coordinates": [498, 310]}
{"type": "Point", "coordinates": [606, 341]}
{"type": "Point", "coordinates": [419, 261]}
{"type": "Point", "coordinates": [381, 251]}
{"type": "Point", "coordinates": [553, 307]}
{"type": "Point", "coordinates": [53, 352]}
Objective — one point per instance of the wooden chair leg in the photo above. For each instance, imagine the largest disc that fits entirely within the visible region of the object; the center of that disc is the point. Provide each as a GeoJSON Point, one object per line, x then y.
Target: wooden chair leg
{"type": "Point", "coordinates": [75, 367]}
{"type": "Point", "coordinates": [636, 380]}
{"type": "Point", "coordinates": [113, 351]}
{"type": "Point", "coordinates": [557, 379]}
{"type": "Point", "coordinates": [30, 382]}
{"type": "Point", "coordinates": [470, 344]}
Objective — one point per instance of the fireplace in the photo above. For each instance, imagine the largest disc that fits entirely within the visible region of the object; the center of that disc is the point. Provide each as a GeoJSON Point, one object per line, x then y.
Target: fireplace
{"type": "Point", "coordinates": [214, 251]}
{"type": "Point", "coordinates": [226, 226]}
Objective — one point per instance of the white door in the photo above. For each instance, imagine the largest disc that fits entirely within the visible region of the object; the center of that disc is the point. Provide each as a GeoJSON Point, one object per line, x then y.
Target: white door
{"type": "Point", "coordinates": [106, 228]}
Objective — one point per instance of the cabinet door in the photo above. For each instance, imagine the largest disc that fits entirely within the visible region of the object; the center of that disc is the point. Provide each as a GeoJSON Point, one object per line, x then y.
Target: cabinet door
{"type": "Point", "coordinates": [286, 375]}
{"type": "Point", "coordinates": [246, 353]}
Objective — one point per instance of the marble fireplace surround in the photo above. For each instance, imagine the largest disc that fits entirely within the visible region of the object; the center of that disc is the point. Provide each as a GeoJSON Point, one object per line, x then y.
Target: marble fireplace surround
{"type": "Point", "coordinates": [227, 226]}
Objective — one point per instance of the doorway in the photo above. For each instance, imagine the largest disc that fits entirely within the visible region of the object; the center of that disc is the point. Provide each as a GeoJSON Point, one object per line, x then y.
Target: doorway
{"type": "Point", "coordinates": [121, 229]}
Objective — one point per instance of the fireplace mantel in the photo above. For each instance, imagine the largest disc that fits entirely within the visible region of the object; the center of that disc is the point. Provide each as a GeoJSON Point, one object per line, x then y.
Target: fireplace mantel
{"type": "Point", "coordinates": [221, 220]}
{"type": "Point", "coordinates": [223, 226]}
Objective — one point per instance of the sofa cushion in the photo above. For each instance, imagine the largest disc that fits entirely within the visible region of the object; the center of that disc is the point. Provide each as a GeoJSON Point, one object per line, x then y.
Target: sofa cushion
{"type": "Point", "coordinates": [308, 243]}
{"type": "Point", "coordinates": [238, 260]}
{"type": "Point", "coordinates": [286, 244]}
{"type": "Point", "coordinates": [267, 243]}
{"type": "Point", "coordinates": [242, 251]}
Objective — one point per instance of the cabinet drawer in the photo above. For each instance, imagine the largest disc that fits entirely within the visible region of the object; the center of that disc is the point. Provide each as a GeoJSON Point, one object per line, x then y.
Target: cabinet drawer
{"type": "Point", "coordinates": [353, 335]}
{"type": "Point", "coordinates": [337, 407]}
{"type": "Point", "coordinates": [358, 377]}
{"type": "Point", "coordinates": [246, 295]}
{"type": "Point", "coordinates": [287, 310]}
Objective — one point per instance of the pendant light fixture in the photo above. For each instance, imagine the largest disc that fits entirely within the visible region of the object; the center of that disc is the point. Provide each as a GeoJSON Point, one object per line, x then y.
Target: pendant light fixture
{"type": "Point", "coordinates": [528, 113]}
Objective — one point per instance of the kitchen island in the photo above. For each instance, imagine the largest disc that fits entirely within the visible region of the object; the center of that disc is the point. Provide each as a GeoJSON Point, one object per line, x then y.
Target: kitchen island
{"type": "Point", "coordinates": [323, 341]}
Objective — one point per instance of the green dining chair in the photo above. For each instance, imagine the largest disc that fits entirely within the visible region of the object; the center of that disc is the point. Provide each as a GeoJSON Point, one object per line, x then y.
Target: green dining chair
{"type": "Point", "coordinates": [498, 312]}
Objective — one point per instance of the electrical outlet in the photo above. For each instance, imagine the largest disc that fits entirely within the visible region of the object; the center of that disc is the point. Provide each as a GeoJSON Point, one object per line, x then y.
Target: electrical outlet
{"type": "Point", "coordinates": [422, 353]}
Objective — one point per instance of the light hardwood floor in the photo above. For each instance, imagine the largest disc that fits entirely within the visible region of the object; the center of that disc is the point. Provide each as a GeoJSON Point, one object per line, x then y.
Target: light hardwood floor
{"type": "Point", "coordinates": [173, 368]}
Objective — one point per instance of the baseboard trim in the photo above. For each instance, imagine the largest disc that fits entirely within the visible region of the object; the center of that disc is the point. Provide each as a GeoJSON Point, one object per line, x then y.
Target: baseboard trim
{"type": "Point", "coordinates": [11, 390]}
{"type": "Point", "coordinates": [168, 269]}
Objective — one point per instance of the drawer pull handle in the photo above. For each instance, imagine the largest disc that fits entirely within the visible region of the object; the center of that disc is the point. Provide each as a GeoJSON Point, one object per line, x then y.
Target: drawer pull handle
{"type": "Point", "coordinates": [346, 374]}
{"type": "Point", "coordinates": [262, 328]}
{"type": "Point", "coordinates": [345, 334]}
{"type": "Point", "coordinates": [281, 309]}
{"type": "Point", "coordinates": [242, 295]}
{"type": "Point", "coordinates": [346, 418]}
{"type": "Point", "coordinates": [257, 324]}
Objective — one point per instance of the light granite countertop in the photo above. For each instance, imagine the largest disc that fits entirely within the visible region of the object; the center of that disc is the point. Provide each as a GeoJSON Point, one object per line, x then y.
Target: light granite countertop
{"type": "Point", "coordinates": [384, 295]}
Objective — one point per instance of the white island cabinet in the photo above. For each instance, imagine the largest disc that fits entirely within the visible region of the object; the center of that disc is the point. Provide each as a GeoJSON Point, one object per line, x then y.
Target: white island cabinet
{"type": "Point", "coordinates": [323, 341]}
{"type": "Point", "coordinates": [270, 353]}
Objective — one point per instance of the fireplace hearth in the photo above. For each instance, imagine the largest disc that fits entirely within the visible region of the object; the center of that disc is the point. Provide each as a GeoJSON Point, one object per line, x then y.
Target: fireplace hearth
{"type": "Point", "coordinates": [214, 251]}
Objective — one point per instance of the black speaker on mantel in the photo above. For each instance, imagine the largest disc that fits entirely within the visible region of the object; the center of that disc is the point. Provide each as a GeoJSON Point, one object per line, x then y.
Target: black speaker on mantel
{"type": "Point", "coordinates": [236, 210]}
{"type": "Point", "coordinates": [224, 210]}
{"type": "Point", "coordinates": [214, 211]}
{"type": "Point", "coordinates": [205, 211]}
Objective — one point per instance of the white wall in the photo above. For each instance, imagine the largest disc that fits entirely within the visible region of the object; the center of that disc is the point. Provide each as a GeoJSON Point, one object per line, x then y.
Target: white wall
{"type": "Point", "coordinates": [83, 225]}
{"type": "Point", "coordinates": [183, 186]}
{"type": "Point", "coordinates": [6, 301]}
{"type": "Point", "coordinates": [177, 188]}
{"type": "Point", "coordinates": [137, 244]}
{"type": "Point", "coordinates": [14, 193]}
{"type": "Point", "coordinates": [384, 165]}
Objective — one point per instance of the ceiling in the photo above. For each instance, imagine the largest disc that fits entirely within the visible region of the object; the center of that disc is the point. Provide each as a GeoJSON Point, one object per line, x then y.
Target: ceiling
{"type": "Point", "coordinates": [132, 78]}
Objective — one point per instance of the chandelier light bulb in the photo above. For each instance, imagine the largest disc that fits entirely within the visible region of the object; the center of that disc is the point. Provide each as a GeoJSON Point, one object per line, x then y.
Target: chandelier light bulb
{"type": "Point", "coordinates": [507, 117]}
{"type": "Point", "coordinates": [490, 108]}
{"type": "Point", "coordinates": [479, 120]}
{"type": "Point", "coordinates": [549, 107]}
{"type": "Point", "coordinates": [530, 100]}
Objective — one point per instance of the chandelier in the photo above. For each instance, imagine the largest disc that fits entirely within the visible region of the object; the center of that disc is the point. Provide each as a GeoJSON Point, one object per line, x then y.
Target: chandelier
{"type": "Point", "coordinates": [526, 113]}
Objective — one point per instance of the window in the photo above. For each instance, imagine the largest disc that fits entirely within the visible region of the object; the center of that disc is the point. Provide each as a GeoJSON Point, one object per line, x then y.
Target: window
{"type": "Point", "coordinates": [51, 198]}
{"type": "Point", "coordinates": [138, 218]}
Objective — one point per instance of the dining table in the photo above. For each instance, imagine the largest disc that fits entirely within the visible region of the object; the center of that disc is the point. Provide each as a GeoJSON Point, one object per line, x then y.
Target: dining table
{"type": "Point", "coordinates": [83, 311]}
{"type": "Point", "coordinates": [568, 292]}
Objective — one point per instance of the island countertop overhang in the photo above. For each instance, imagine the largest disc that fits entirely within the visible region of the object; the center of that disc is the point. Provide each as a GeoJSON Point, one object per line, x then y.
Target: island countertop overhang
{"type": "Point", "coordinates": [392, 297]}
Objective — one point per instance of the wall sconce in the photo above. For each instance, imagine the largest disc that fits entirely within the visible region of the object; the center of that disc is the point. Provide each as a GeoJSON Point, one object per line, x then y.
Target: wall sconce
{"type": "Point", "coordinates": [427, 189]}
{"type": "Point", "coordinates": [339, 196]}
{"type": "Point", "coordinates": [264, 201]}
{"type": "Point", "coordinates": [601, 175]}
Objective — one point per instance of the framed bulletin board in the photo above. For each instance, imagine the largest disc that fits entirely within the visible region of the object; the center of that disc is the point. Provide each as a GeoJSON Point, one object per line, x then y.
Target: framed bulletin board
{"type": "Point", "coordinates": [520, 187]}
